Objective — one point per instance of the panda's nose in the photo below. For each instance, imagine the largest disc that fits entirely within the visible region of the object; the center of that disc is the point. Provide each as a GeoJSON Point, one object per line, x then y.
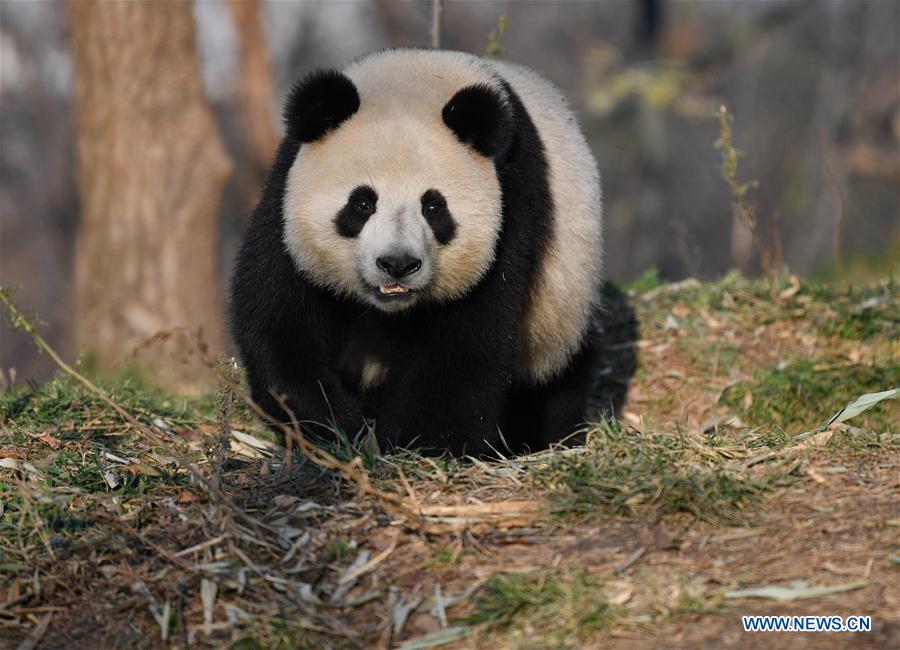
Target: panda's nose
{"type": "Point", "coordinates": [399, 266]}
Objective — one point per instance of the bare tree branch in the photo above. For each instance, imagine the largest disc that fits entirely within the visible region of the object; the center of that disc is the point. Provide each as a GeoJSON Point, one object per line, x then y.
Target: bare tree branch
{"type": "Point", "coordinates": [437, 20]}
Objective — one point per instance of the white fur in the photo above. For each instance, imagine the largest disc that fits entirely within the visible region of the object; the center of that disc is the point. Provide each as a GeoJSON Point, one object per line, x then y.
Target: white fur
{"type": "Point", "coordinates": [393, 232]}
{"type": "Point", "coordinates": [373, 373]}
{"type": "Point", "coordinates": [398, 144]}
{"type": "Point", "coordinates": [569, 287]}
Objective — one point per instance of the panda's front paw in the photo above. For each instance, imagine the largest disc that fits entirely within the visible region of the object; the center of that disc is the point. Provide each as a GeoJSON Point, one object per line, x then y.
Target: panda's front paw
{"type": "Point", "coordinates": [433, 437]}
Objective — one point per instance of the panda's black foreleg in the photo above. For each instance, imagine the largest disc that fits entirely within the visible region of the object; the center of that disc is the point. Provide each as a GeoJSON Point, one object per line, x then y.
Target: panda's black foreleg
{"type": "Point", "coordinates": [319, 408]}
{"type": "Point", "coordinates": [450, 394]}
{"type": "Point", "coordinates": [432, 420]}
{"type": "Point", "coordinates": [290, 384]}
{"type": "Point", "coordinates": [280, 324]}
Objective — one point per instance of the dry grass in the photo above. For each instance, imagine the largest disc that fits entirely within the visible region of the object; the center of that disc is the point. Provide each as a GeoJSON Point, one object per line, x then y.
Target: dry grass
{"type": "Point", "coordinates": [122, 523]}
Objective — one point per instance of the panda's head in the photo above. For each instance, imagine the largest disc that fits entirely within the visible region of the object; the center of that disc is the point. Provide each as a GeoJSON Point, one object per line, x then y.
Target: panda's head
{"type": "Point", "coordinates": [393, 196]}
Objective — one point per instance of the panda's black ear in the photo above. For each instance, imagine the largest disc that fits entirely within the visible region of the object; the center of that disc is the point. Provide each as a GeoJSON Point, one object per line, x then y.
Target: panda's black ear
{"type": "Point", "coordinates": [482, 117]}
{"type": "Point", "coordinates": [318, 104]}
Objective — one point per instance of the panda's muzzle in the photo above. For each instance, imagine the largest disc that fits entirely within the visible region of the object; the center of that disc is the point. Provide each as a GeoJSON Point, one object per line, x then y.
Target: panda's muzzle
{"type": "Point", "coordinates": [399, 266]}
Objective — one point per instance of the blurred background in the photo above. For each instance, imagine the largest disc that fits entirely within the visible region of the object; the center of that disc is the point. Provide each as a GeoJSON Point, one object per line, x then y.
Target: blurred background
{"type": "Point", "coordinates": [134, 138]}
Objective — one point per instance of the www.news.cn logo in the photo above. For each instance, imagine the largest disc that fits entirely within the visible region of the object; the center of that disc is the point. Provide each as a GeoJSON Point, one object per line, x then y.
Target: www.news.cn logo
{"type": "Point", "coordinates": [806, 623]}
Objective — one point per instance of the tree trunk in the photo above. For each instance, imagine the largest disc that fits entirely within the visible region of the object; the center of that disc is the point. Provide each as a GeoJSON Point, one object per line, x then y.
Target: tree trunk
{"type": "Point", "coordinates": [151, 170]}
{"type": "Point", "coordinates": [256, 89]}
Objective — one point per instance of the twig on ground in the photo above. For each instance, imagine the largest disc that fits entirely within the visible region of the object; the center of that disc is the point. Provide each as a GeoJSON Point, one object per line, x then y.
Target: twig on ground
{"type": "Point", "coordinates": [225, 406]}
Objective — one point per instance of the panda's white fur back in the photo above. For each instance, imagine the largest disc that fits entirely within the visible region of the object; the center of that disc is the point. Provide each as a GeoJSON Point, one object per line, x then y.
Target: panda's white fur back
{"type": "Point", "coordinates": [569, 287]}
{"type": "Point", "coordinates": [416, 84]}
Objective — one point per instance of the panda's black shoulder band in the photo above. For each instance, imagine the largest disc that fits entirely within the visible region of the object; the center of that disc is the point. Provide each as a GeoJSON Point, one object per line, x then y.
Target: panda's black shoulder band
{"type": "Point", "coordinates": [318, 104]}
{"type": "Point", "coordinates": [480, 116]}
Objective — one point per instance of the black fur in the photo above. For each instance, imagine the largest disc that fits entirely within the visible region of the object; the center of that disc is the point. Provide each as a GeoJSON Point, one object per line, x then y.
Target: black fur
{"type": "Point", "coordinates": [437, 214]}
{"type": "Point", "coordinates": [350, 221]}
{"type": "Point", "coordinates": [451, 381]}
{"type": "Point", "coordinates": [479, 116]}
{"type": "Point", "coordinates": [318, 104]}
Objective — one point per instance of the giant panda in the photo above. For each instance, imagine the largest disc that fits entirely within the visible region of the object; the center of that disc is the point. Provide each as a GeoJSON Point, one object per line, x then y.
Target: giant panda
{"type": "Point", "coordinates": [425, 257]}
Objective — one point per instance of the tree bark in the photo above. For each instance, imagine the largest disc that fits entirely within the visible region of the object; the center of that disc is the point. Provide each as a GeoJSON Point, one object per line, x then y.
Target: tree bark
{"type": "Point", "coordinates": [256, 89]}
{"type": "Point", "coordinates": [151, 171]}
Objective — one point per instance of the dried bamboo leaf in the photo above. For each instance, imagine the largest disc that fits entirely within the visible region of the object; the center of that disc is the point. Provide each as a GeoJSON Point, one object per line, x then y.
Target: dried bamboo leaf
{"type": "Point", "coordinates": [797, 592]}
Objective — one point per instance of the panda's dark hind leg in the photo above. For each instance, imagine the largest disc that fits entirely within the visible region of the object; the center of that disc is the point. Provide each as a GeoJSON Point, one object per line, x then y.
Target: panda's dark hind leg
{"type": "Point", "coordinates": [593, 385]}
{"type": "Point", "coordinates": [537, 416]}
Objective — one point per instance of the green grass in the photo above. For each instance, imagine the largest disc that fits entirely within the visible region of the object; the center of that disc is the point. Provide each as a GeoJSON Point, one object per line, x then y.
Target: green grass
{"type": "Point", "coordinates": [858, 439]}
{"type": "Point", "coordinates": [688, 604]}
{"type": "Point", "coordinates": [733, 286]}
{"type": "Point", "coordinates": [442, 556]}
{"type": "Point", "coordinates": [647, 281]}
{"type": "Point", "coordinates": [63, 437]}
{"type": "Point", "coordinates": [58, 504]}
{"type": "Point", "coordinates": [799, 396]}
{"type": "Point", "coordinates": [860, 313]}
{"type": "Point", "coordinates": [69, 433]}
{"type": "Point", "coordinates": [63, 401]}
{"type": "Point", "coordinates": [564, 605]}
{"type": "Point", "coordinates": [338, 550]}
{"type": "Point", "coordinates": [621, 470]}
{"type": "Point", "coordinates": [279, 634]}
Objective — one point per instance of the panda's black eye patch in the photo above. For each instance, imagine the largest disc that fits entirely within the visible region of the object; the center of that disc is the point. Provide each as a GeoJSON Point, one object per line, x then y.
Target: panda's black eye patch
{"type": "Point", "coordinates": [437, 214]}
{"type": "Point", "coordinates": [364, 206]}
{"type": "Point", "coordinates": [353, 216]}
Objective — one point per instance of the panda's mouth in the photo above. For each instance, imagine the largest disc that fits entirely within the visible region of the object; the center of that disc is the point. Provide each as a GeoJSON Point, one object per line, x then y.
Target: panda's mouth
{"type": "Point", "coordinates": [393, 290]}
{"type": "Point", "coordinates": [396, 292]}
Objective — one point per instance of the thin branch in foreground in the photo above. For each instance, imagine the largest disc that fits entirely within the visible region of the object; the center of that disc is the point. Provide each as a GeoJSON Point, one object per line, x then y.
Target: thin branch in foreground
{"type": "Point", "coordinates": [838, 190]}
{"type": "Point", "coordinates": [18, 321]}
{"type": "Point", "coordinates": [740, 201]}
{"type": "Point", "coordinates": [495, 48]}
{"type": "Point", "coordinates": [353, 470]}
